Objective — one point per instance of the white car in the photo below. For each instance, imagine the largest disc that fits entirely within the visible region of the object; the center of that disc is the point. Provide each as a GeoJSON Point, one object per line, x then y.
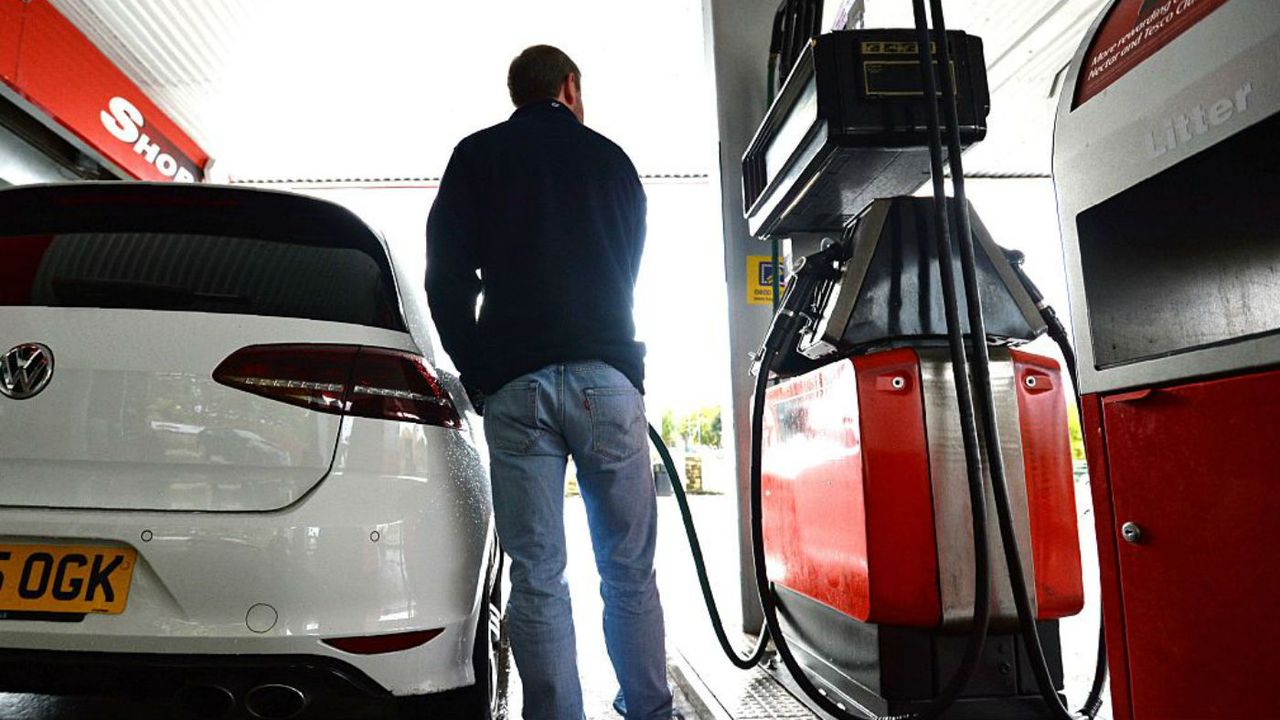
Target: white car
{"type": "Point", "coordinates": [231, 476]}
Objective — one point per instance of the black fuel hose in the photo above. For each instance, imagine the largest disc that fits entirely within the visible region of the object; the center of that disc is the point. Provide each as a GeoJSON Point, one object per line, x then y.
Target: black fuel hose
{"type": "Point", "coordinates": [981, 365]}
{"type": "Point", "coordinates": [1093, 701]}
{"type": "Point", "coordinates": [982, 377]}
{"type": "Point", "coordinates": [775, 53]}
{"type": "Point", "coordinates": [717, 624]}
{"type": "Point", "coordinates": [797, 292]}
{"type": "Point", "coordinates": [1058, 333]}
{"type": "Point", "coordinates": [789, 20]}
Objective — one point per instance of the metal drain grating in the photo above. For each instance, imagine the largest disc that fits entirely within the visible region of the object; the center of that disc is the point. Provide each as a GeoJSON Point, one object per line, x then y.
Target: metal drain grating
{"type": "Point", "coordinates": [724, 693]}
{"type": "Point", "coordinates": [764, 698]}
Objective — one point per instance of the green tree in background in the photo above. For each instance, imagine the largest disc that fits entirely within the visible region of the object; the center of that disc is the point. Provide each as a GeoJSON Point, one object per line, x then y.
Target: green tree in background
{"type": "Point", "coordinates": [701, 428]}
{"type": "Point", "coordinates": [668, 429]}
{"type": "Point", "coordinates": [710, 424]}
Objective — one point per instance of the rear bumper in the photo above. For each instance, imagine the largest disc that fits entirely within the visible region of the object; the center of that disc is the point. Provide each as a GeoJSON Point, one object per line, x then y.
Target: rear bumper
{"type": "Point", "coordinates": [363, 554]}
{"type": "Point", "coordinates": [186, 686]}
{"type": "Point", "coordinates": [166, 676]}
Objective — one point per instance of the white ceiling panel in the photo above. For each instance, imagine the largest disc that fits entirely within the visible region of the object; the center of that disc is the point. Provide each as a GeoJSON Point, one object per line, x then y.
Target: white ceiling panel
{"type": "Point", "coordinates": [279, 89]}
{"type": "Point", "coordinates": [177, 51]}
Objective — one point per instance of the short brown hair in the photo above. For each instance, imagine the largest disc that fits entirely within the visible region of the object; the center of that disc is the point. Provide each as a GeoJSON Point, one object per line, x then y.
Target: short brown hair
{"type": "Point", "coordinates": [537, 74]}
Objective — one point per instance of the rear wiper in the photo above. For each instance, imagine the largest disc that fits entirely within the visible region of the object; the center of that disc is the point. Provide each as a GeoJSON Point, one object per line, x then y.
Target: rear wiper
{"type": "Point", "coordinates": [92, 292]}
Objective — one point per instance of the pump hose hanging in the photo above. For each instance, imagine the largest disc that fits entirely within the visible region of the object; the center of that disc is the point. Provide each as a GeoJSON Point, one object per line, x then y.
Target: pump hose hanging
{"type": "Point", "coordinates": [1058, 333]}
{"type": "Point", "coordinates": [801, 287]}
{"type": "Point", "coordinates": [977, 328]}
{"type": "Point", "coordinates": [982, 377]}
{"type": "Point", "coordinates": [717, 624]}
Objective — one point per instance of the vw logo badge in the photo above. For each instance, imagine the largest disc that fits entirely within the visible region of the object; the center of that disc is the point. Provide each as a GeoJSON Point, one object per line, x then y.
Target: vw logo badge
{"type": "Point", "coordinates": [25, 370]}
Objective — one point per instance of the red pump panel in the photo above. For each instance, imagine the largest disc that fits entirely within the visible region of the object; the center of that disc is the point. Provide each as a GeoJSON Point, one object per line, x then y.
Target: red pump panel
{"type": "Point", "coordinates": [1195, 467]}
{"type": "Point", "coordinates": [1095, 449]}
{"type": "Point", "coordinates": [902, 551]}
{"type": "Point", "coordinates": [813, 513]}
{"type": "Point", "coordinates": [1051, 500]}
{"type": "Point", "coordinates": [848, 507]}
{"type": "Point", "coordinates": [10, 36]}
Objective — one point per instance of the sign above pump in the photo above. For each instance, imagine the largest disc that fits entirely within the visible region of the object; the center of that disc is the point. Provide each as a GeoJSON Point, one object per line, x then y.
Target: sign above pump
{"type": "Point", "coordinates": [1131, 33]}
{"type": "Point", "coordinates": [126, 123]}
{"type": "Point", "coordinates": [65, 81]}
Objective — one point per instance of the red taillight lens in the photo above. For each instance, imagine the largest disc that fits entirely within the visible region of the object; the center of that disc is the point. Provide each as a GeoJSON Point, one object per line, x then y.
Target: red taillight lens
{"type": "Point", "coordinates": [378, 644]}
{"type": "Point", "coordinates": [393, 385]}
{"type": "Point", "coordinates": [310, 376]}
{"type": "Point", "coordinates": [342, 380]}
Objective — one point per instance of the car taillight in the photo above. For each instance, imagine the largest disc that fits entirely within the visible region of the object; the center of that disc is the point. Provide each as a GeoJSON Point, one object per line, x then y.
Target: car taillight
{"type": "Point", "coordinates": [342, 380]}
{"type": "Point", "coordinates": [378, 644]}
{"type": "Point", "coordinates": [393, 385]}
{"type": "Point", "coordinates": [310, 376]}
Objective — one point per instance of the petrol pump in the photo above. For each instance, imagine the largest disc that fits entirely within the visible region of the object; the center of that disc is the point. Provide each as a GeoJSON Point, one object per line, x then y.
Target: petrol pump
{"type": "Point", "coordinates": [1167, 167]}
{"type": "Point", "coordinates": [868, 532]}
{"type": "Point", "coordinates": [911, 504]}
{"type": "Point", "coordinates": [912, 520]}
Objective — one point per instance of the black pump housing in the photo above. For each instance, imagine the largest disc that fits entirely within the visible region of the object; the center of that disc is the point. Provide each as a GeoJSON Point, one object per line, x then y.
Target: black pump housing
{"type": "Point", "coordinates": [851, 125]}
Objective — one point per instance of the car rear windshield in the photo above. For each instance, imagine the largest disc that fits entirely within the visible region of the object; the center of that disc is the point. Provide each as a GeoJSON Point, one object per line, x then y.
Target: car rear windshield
{"type": "Point", "coordinates": [193, 249]}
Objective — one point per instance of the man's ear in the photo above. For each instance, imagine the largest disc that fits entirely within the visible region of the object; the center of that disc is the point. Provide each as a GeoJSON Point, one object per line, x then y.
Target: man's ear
{"type": "Point", "coordinates": [571, 95]}
{"type": "Point", "coordinates": [570, 90]}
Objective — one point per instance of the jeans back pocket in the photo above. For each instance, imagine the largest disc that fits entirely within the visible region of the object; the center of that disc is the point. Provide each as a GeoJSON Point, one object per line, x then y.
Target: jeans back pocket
{"type": "Point", "coordinates": [511, 418]}
{"type": "Point", "coordinates": [617, 421]}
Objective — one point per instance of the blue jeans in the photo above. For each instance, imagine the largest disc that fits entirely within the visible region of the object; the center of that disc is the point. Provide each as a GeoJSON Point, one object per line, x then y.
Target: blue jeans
{"type": "Point", "coordinates": [533, 424]}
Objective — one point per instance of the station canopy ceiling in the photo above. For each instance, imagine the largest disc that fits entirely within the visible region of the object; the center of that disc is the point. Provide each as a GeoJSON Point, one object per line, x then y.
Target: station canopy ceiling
{"type": "Point", "coordinates": [330, 89]}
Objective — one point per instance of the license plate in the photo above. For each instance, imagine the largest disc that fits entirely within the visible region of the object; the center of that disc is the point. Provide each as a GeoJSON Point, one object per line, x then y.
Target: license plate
{"type": "Point", "coordinates": [65, 578]}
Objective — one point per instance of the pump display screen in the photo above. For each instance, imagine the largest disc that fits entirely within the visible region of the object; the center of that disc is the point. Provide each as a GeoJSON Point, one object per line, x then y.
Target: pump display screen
{"type": "Point", "coordinates": [1189, 258]}
{"type": "Point", "coordinates": [887, 78]}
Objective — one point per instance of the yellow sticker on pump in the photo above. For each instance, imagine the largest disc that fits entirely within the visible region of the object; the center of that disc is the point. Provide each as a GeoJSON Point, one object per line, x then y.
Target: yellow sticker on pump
{"type": "Point", "coordinates": [72, 579]}
{"type": "Point", "coordinates": [760, 271]}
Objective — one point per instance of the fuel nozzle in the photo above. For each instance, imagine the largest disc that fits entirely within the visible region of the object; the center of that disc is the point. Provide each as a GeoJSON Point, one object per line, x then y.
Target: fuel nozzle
{"type": "Point", "coordinates": [1056, 329]}
{"type": "Point", "coordinates": [1016, 260]}
{"type": "Point", "coordinates": [798, 309]}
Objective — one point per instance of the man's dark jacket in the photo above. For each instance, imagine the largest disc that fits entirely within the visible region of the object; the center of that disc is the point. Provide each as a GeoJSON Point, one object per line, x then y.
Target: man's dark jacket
{"type": "Point", "coordinates": [552, 215]}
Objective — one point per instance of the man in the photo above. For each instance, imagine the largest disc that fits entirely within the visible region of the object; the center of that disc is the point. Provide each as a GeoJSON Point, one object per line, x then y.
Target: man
{"type": "Point", "coordinates": [552, 215]}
